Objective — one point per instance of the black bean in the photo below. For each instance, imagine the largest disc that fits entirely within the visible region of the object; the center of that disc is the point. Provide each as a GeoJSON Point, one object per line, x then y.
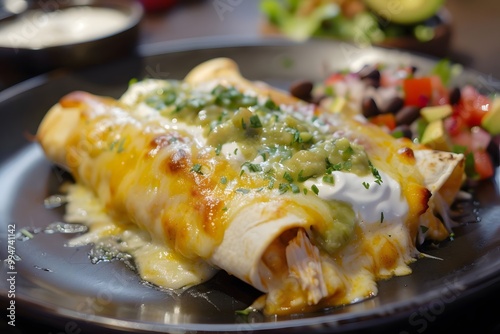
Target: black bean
{"type": "Point", "coordinates": [302, 89]}
{"type": "Point", "coordinates": [369, 107]}
{"type": "Point", "coordinates": [391, 105]}
{"type": "Point", "coordinates": [372, 82]}
{"type": "Point", "coordinates": [455, 96]}
{"type": "Point", "coordinates": [402, 131]}
{"type": "Point", "coordinates": [494, 152]}
{"type": "Point", "coordinates": [369, 72]}
{"type": "Point", "coordinates": [407, 115]}
{"type": "Point", "coordinates": [370, 75]}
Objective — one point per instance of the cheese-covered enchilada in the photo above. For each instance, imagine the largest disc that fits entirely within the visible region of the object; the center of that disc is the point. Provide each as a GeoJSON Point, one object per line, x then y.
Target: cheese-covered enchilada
{"type": "Point", "coordinates": [216, 172]}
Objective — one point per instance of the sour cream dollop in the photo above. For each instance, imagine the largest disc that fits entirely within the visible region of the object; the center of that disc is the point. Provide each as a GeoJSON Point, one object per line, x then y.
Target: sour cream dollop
{"type": "Point", "coordinates": [373, 202]}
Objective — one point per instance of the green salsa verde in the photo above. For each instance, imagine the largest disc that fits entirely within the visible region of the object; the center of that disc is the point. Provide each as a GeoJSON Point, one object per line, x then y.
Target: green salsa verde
{"type": "Point", "coordinates": [285, 145]}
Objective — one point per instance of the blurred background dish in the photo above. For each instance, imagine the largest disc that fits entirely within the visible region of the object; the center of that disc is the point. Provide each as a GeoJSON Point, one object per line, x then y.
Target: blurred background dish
{"type": "Point", "coordinates": [75, 33]}
{"type": "Point", "coordinates": [422, 26]}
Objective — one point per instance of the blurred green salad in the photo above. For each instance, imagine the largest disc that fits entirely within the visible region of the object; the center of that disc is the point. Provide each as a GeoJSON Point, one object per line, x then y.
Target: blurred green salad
{"type": "Point", "coordinates": [370, 21]}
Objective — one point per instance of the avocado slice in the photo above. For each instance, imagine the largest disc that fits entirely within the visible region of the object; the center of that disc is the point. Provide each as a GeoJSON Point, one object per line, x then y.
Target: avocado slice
{"type": "Point", "coordinates": [405, 12]}
{"type": "Point", "coordinates": [436, 137]}
{"type": "Point", "coordinates": [491, 121]}
{"type": "Point", "coordinates": [433, 113]}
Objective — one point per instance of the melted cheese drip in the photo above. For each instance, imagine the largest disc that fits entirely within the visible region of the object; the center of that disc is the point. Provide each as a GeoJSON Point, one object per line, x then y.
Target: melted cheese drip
{"type": "Point", "coordinates": [156, 263]}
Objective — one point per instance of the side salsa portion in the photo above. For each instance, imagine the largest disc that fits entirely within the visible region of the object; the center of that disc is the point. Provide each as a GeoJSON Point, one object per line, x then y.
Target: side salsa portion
{"type": "Point", "coordinates": [425, 107]}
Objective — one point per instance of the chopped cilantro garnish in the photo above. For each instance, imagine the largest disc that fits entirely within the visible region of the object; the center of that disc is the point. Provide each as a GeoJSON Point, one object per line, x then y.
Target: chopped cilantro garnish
{"type": "Point", "coordinates": [301, 177]}
{"type": "Point", "coordinates": [375, 173]}
{"type": "Point", "coordinates": [196, 168]}
{"type": "Point", "coordinates": [283, 188]}
{"type": "Point", "coordinates": [295, 188]}
{"type": "Point", "coordinates": [271, 105]}
{"type": "Point", "coordinates": [349, 151]}
{"type": "Point", "coordinates": [252, 167]}
{"type": "Point", "coordinates": [366, 185]}
{"type": "Point", "coordinates": [218, 149]}
{"type": "Point", "coordinates": [315, 189]}
{"type": "Point", "coordinates": [328, 179]}
{"type": "Point", "coordinates": [288, 177]}
{"type": "Point", "coordinates": [255, 122]}
{"type": "Point", "coordinates": [347, 165]}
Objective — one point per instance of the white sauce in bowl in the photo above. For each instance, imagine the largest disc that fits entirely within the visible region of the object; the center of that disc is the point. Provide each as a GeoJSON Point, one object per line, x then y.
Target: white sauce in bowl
{"type": "Point", "coordinates": [38, 29]}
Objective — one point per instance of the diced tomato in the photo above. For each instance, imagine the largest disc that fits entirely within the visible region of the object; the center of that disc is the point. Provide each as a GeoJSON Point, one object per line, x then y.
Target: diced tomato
{"type": "Point", "coordinates": [385, 120]}
{"type": "Point", "coordinates": [454, 125]}
{"type": "Point", "coordinates": [480, 138]}
{"type": "Point", "coordinates": [472, 106]}
{"type": "Point", "coordinates": [463, 138]}
{"type": "Point", "coordinates": [475, 141]}
{"type": "Point", "coordinates": [440, 94]}
{"type": "Point", "coordinates": [483, 164]}
{"type": "Point", "coordinates": [334, 78]}
{"type": "Point", "coordinates": [417, 91]}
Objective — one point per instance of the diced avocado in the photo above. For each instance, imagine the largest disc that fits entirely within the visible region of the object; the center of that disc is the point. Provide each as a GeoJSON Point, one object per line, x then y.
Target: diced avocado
{"type": "Point", "coordinates": [433, 113]}
{"type": "Point", "coordinates": [405, 11]}
{"type": "Point", "coordinates": [436, 137]}
{"type": "Point", "coordinates": [338, 104]}
{"type": "Point", "coordinates": [491, 121]}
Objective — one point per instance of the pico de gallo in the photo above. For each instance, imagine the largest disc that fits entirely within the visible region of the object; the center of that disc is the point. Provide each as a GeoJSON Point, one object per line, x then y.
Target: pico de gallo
{"type": "Point", "coordinates": [425, 107]}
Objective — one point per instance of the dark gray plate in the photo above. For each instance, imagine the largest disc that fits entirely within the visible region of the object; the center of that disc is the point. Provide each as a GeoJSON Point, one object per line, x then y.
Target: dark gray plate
{"type": "Point", "coordinates": [57, 285]}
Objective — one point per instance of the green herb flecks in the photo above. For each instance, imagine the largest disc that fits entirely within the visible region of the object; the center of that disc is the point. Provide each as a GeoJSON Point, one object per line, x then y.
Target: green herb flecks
{"type": "Point", "coordinates": [196, 169]}
{"type": "Point", "coordinates": [315, 189]}
{"type": "Point", "coordinates": [329, 179]}
{"type": "Point", "coordinates": [218, 149]}
{"type": "Point", "coordinates": [252, 167]}
{"type": "Point", "coordinates": [255, 122]}
{"type": "Point", "coordinates": [117, 145]}
{"type": "Point", "coordinates": [375, 173]}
